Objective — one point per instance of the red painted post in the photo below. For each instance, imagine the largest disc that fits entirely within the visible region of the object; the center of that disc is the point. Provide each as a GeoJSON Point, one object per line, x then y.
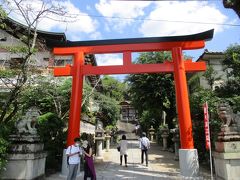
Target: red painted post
{"type": "Point", "coordinates": [76, 98]}
{"type": "Point", "coordinates": [185, 123]}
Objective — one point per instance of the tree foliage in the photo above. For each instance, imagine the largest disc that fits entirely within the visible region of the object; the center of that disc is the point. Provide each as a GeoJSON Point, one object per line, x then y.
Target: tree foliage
{"type": "Point", "coordinates": [48, 94]}
{"type": "Point", "coordinates": [197, 100]}
{"type": "Point", "coordinates": [232, 60]}
{"type": "Point", "coordinates": [211, 76]}
{"type": "Point", "coordinates": [153, 93]}
{"type": "Point", "coordinates": [3, 15]}
{"type": "Point", "coordinates": [50, 128]}
{"type": "Point", "coordinates": [109, 109]}
{"type": "Point", "coordinates": [31, 17]}
{"type": "Point", "coordinates": [230, 90]}
{"type": "Point", "coordinates": [113, 88]}
{"type": "Point", "coordinates": [233, 4]}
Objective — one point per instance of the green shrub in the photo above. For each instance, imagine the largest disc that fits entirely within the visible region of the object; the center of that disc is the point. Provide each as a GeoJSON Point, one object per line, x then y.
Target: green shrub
{"type": "Point", "coordinates": [3, 151]}
{"type": "Point", "coordinates": [5, 130]}
{"type": "Point", "coordinates": [50, 129]}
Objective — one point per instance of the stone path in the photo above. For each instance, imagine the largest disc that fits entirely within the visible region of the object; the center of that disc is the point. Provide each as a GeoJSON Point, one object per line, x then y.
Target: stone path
{"type": "Point", "coordinates": [161, 166]}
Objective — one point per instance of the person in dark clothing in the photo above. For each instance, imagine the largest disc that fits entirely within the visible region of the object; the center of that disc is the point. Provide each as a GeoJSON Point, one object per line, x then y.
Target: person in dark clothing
{"type": "Point", "coordinates": [89, 170]}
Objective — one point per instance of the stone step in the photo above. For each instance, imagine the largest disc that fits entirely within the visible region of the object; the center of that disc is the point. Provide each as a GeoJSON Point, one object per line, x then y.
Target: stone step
{"type": "Point", "coordinates": [127, 128]}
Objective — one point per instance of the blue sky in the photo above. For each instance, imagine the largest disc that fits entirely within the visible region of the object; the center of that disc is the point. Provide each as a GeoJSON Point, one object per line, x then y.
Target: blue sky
{"type": "Point", "coordinates": [105, 19]}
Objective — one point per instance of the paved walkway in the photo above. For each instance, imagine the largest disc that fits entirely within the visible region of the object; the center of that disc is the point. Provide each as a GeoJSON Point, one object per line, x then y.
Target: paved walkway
{"type": "Point", "coordinates": [161, 166]}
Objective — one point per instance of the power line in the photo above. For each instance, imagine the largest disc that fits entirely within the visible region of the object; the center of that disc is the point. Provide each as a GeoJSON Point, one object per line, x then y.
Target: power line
{"type": "Point", "coordinates": [160, 20]}
{"type": "Point", "coordinates": [168, 0]}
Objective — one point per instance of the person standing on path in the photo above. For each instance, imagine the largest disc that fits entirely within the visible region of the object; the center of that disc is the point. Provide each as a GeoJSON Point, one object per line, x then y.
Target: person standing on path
{"type": "Point", "coordinates": [89, 169]}
{"type": "Point", "coordinates": [137, 127]}
{"type": "Point", "coordinates": [73, 153]}
{"type": "Point", "coordinates": [123, 149]}
{"type": "Point", "coordinates": [144, 146]}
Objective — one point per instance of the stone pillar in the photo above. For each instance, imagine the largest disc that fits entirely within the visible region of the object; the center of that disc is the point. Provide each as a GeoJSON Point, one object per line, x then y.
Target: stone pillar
{"type": "Point", "coordinates": [227, 155]}
{"type": "Point", "coordinates": [227, 160]}
{"type": "Point", "coordinates": [26, 159]}
{"type": "Point", "coordinates": [99, 150]}
{"type": "Point", "coordinates": [107, 137]}
{"type": "Point", "coordinates": [227, 148]}
{"type": "Point", "coordinates": [99, 138]}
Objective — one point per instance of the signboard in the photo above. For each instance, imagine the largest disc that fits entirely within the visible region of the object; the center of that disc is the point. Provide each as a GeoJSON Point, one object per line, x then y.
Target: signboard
{"type": "Point", "coordinates": [206, 125]}
{"type": "Point", "coordinates": [207, 134]}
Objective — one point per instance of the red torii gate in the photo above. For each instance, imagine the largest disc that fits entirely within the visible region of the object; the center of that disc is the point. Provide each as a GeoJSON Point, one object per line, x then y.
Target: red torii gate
{"type": "Point", "coordinates": [177, 66]}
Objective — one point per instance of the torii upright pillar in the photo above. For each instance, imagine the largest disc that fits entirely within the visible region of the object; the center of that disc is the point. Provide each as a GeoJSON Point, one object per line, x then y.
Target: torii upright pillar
{"type": "Point", "coordinates": [178, 66]}
{"type": "Point", "coordinates": [188, 156]}
{"type": "Point", "coordinates": [76, 97]}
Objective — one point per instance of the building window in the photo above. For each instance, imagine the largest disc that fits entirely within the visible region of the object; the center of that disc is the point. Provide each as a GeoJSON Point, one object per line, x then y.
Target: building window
{"type": "Point", "coordinates": [59, 63]}
{"type": "Point", "coordinates": [62, 62]}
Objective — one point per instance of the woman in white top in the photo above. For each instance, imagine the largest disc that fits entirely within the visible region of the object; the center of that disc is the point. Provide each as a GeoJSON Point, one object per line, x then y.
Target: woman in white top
{"type": "Point", "coordinates": [123, 149]}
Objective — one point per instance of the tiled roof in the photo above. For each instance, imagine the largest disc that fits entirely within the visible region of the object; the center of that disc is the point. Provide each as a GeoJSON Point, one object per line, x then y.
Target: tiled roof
{"type": "Point", "coordinates": [210, 54]}
{"type": "Point", "coordinates": [17, 30]}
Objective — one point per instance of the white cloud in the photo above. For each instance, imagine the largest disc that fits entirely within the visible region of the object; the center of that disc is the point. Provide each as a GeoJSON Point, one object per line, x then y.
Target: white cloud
{"type": "Point", "coordinates": [109, 59]}
{"type": "Point", "coordinates": [96, 35]}
{"type": "Point", "coordinates": [73, 23]}
{"type": "Point", "coordinates": [182, 11]}
{"type": "Point", "coordinates": [123, 9]}
{"type": "Point", "coordinates": [82, 22]}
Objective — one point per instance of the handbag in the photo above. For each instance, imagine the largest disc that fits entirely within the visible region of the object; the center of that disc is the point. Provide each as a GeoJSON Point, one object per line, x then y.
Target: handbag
{"type": "Point", "coordinates": [118, 148]}
{"type": "Point", "coordinates": [144, 147]}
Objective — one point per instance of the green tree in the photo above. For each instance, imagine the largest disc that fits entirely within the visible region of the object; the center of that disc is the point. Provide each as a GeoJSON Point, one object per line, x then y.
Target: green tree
{"type": "Point", "coordinates": [211, 76]}
{"type": "Point", "coordinates": [230, 90]}
{"type": "Point", "coordinates": [153, 93]}
{"type": "Point", "coordinates": [21, 73]}
{"type": "Point", "coordinates": [51, 95]}
{"type": "Point", "coordinates": [232, 60]}
{"type": "Point", "coordinates": [3, 16]}
{"type": "Point", "coordinates": [109, 109]}
{"type": "Point", "coordinates": [50, 128]}
{"type": "Point", "coordinates": [197, 100]}
{"type": "Point", "coordinates": [48, 94]}
{"type": "Point", "coordinates": [233, 4]}
{"type": "Point", "coordinates": [113, 88]}
{"type": "Point", "coordinates": [113, 92]}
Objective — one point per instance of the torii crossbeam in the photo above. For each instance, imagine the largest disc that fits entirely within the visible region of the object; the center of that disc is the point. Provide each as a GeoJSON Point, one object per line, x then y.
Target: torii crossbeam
{"type": "Point", "coordinates": [178, 66]}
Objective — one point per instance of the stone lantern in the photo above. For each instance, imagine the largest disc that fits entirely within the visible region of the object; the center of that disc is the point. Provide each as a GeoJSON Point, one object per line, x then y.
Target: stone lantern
{"type": "Point", "coordinates": [99, 138]}
{"type": "Point", "coordinates": [176, 140]}
{"type": "Point", "coordinates": [164, 134]}
{"type": "Point", "coordinates": [151, 132]}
